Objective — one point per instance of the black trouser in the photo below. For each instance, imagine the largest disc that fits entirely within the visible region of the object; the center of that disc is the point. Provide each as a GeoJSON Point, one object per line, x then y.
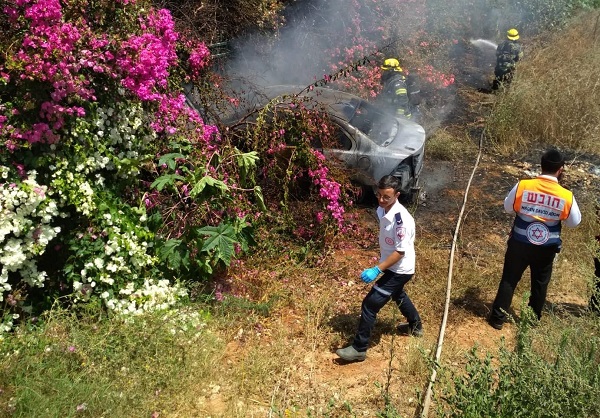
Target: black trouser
{"type": "Point", "coordinates": [502, 76]}
{"type": "Point", "coordinates": [595, 299]}
{"type": "Point", "coordinates": [519, 256]}
{"type": "Point", "coordinates": [389, 286]}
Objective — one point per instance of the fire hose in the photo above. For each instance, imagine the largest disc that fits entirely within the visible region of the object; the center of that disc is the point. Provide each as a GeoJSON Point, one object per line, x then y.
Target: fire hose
{"type": "Point", "coordinates": [426, 401]}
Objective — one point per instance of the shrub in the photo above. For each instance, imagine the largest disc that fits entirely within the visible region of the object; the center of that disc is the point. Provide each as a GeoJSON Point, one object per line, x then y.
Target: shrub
{"type": "Point", "coordinates": [90, 95]}
{"type": "Point", "coordinates": [525, 383]}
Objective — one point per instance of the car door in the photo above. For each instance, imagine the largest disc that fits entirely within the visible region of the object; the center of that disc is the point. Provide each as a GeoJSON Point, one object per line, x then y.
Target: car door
{"type": "Point", "coordinates": [343, 147]}
{"type": "Point", "coordinates": [347, 148]}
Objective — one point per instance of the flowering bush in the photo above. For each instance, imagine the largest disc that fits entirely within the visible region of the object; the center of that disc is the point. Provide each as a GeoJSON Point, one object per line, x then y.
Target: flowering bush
{"type": "Point", "coordinates": [297, 180]}
{"type": "Point", "coordinates": [114, 189]}
{"type": "Point", "coordinates": [90, 95]}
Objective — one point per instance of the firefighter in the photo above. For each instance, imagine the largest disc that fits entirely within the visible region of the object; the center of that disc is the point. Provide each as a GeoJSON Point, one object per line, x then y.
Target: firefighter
{"type": "Point", "coordinates": [400, 93]}
{"type": "Point", "coordinates": [508, 54]}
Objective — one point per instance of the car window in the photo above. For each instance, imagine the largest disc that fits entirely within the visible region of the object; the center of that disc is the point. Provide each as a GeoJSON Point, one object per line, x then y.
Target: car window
{"type": "Point", "coordinates": [380, 127]}
{"type": "Point", "coordinates": [343, 141]}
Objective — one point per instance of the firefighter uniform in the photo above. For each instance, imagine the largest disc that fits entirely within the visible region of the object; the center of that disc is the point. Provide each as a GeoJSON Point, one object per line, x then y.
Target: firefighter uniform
{"type": "Point", "coordinates": [400, 94]}
{"type": "Point", "coordinates": [508, 54]}
{"type": "Point", "coordinates": [395, 95]}
{"type": "Point", "coordinates": [541, 205]}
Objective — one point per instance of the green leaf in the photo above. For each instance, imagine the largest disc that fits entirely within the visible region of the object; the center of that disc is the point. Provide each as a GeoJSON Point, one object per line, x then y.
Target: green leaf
{"type": "Point", "coordinates": [167, 179]}
{"type": "Point", "coordinates": [174, 254]}
{"type": "Point", "coordinates": [208, 181]}
{"type": "Point", "coordinates": [220, 239]}
{"type": "Point", "coordinates": [259, 198]}
{"type": "Point", "coordinates": [169, 159]}
{"type": "Point", "coordinates": [247, 160]}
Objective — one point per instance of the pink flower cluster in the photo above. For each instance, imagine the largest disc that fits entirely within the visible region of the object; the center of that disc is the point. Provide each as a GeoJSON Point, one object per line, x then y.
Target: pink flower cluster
{"type": "Point", "coordinates": [75, 63]}
{"type": "Point", "coordinates": [145, 59]}
{"type": "Point", "coordinates": [328, 190]}
{"type": "Point", "coordinates": [437, 78]}
{"type": "Point", "coordinates": [198, 58]}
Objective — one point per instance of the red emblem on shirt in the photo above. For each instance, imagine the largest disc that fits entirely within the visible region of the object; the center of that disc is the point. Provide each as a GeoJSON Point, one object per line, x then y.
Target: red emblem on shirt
{"type": "Point", "coordinates": [400, 232]}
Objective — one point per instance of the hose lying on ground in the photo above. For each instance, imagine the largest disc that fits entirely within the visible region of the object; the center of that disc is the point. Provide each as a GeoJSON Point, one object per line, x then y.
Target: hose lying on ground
{"type": "Point", "coordinates": [427, 396]}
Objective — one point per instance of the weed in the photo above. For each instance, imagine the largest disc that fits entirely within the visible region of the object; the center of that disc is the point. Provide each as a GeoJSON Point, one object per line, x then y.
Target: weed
{"type": "Point", "coordinates": [108, 367]}
{"type": "Point", "coordinates": [444, 146]}
{"type": "Point", "coordinates": [550, 102]}
{"type": "Point", "coordinates": [525, 382]}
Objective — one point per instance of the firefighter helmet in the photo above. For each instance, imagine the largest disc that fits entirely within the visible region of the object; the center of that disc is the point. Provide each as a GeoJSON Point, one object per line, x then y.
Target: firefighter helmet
{"type": "Point", "coordinates": [512, 34]}
{"type": "Point", "coordinates": [391, 64]}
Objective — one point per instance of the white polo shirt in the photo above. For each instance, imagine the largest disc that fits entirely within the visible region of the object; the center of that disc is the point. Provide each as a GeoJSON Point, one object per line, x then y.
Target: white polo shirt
{"type": "Point", "coordinates": [397, 233]}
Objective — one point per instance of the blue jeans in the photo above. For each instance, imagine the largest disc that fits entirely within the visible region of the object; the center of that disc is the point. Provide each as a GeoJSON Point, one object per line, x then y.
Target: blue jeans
{"type": "Point", "coordinates": [389, 286]}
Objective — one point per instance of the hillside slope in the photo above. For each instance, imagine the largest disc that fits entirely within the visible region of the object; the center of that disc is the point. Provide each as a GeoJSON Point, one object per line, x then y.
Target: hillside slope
{"type": "Point", "coordinates": [320, 304]}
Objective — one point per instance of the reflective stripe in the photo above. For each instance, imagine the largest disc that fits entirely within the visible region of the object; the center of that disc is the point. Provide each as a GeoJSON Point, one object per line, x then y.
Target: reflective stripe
{"type": "Point", "coordinates": [383, 292]}
{"type": "Point", "coordinates": [536, 233]}
{"type": "Point", "coordinates": [551, 235]}
{"type": "Point", "coordinates": [400, 91]}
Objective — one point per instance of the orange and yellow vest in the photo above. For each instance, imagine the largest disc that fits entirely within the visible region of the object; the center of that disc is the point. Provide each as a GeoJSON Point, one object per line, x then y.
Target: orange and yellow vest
{"type": "Point", "coordinates": [541, 204]}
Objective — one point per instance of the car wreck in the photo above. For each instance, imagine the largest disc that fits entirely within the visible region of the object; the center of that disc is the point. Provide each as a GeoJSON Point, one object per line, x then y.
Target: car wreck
{"type": "Point", "coordinates": [370, 141]}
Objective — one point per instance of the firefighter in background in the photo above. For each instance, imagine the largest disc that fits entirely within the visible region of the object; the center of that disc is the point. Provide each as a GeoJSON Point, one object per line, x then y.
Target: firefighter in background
{"type": "Point", "coordinates": [508, 54]}
{"type": "Point", "coordinates": [400, 93]}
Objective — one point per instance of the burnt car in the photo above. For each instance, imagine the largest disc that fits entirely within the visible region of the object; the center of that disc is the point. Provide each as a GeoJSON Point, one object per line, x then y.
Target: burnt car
{"type": "Point", "coordinates": [370, 141]}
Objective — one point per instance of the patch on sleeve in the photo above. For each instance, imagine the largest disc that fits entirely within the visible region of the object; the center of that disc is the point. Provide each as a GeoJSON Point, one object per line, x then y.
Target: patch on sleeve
{"type": "Point", "coordinates": [400, 232]}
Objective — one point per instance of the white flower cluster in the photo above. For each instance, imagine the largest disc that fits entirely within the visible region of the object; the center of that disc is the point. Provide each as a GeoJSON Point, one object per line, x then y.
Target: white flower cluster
{"type": "Point", "coordinates": [152, 295]}
{"type": "Point", "coordinates": [7, 324]}
{"type": "Point", "coordinates": [72, 187]}
{"type": "Point", "coordinates": [123, 134]}
{"type": "Point", "coordinates": [25, 216]}
{"type": "Point", "coordinates": [125, 256]}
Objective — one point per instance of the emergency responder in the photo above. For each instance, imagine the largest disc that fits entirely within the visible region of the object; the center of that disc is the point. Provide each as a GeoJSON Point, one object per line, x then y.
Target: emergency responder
{"type": "Point", "coordinates": [540, 204]}
{"type": "Point", "coordinates": [396, 267]}
{"type": "Point", "coordinates": [508, 54]}
{"type": "Point", "coordinates": [594, 305]}
{"type": "Point", "coordinates": [400, 93]}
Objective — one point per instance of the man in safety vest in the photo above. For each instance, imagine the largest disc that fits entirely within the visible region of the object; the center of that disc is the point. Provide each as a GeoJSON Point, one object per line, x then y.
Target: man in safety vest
{"type": "Point", "coordinates": [594, 304]}
{"type": "Point", "coordinates": [541, 205]}
{"type": "Point", "coordinates": [508, 54]}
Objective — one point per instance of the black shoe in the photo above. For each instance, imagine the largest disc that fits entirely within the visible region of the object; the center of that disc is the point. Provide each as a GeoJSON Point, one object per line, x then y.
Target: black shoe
{"type": "Point", "coordinates": [495, 323]}
{"type": "Point", "coordinates": [350, 354]}
{"type": "Point", "coordinates": [414, 329]}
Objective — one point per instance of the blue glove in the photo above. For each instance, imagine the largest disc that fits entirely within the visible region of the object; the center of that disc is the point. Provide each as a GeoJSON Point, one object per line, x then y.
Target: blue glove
{"type": "Point", "coordinates": [371, 274]}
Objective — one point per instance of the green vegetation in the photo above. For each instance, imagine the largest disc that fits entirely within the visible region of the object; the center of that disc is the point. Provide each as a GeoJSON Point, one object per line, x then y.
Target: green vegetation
{"type": "Point", "coordinates": [550, 373]}
{"type": "Point", "coordinates": [554, 99]}
{"type": "Point", "coordinates": [174, 270]}
{"type": "Point", "coordinates": [93, 366]}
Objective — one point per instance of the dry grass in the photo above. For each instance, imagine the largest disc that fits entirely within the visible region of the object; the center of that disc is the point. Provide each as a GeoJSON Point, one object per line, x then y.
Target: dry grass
{"type": "Point", "coordinates": [554, 97]}
{"type": "Point", "coordinates": [445, 146]}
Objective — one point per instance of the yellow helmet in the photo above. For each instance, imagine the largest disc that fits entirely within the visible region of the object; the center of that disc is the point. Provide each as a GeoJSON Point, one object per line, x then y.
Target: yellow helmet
{"type": "Point", "coordinates": [391, 64]}
{"type": "Point", "coordinates": [512, 34]}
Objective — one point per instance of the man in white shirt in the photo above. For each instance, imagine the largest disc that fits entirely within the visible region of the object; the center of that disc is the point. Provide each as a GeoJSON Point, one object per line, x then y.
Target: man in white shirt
{"type": "Point", "coordinates": [396, 267]}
